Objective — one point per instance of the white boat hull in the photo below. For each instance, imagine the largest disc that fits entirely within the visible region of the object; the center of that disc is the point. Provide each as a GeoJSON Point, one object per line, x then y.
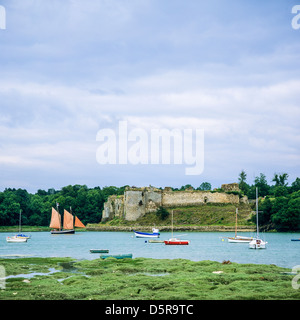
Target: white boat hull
{"type": "Point", "coordinates": [239, 240]}
{"type": "Point", "coordinates": [155, 234]}
{"type": "Point", "coordinates": [144, 235]}
{"type": "Point", "coordinates": [16, 239]}
{"type": "Point", "coordinates": [257, 244]}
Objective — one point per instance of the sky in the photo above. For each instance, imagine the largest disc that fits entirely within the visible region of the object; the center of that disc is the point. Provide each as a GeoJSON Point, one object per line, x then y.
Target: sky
{"type": "Point", "coordinates": [72, 68]}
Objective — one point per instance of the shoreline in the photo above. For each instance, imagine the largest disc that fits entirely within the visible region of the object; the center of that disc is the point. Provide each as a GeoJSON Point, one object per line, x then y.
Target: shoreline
{"type": "Point", "coordinates": [168, 228]}
{"type": "Point", "coordinates": [99, 228]}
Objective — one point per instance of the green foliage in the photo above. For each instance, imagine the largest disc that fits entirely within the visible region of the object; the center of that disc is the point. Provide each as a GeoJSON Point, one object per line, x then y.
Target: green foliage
{"type": "Point", "coordinates": [280, 207]}
{"type": "Point", "coordinates": [162, 213]}
{"type": "Point", "coordinates": [204, 186]}
{"type": "Point", "coordinates": [280, 179]}
{"type": "Point", "coordinates": [244, 187]}
{"type": "Point", "coordinates": [86, 203]}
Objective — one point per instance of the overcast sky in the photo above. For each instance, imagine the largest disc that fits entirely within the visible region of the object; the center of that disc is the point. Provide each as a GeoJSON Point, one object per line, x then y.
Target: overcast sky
{"type": "Point", "coordinates": [71, 68]}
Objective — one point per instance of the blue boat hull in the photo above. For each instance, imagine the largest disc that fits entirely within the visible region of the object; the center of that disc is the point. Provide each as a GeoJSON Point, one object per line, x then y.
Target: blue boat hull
{"type": "Point", "coordinates": [139, 234]}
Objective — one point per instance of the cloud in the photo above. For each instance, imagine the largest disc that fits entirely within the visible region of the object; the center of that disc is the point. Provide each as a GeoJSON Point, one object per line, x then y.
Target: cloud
{"type": "Point", "coordinates": [71, 68]}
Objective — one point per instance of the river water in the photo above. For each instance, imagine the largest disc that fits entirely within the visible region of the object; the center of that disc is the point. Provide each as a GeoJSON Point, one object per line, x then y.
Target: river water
{"type": "Point", "coordinates": [280, 250]}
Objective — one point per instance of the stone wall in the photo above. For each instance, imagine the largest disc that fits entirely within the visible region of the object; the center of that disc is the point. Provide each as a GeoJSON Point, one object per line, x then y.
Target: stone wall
{"type": "Point", "coordinates": [230, 187]}
{"type": "Point", "coordinates": [136, 202]}
{"type": "Point", "coordinates": [139, 201]}
{"type": "Point", "coordinates": [194, 198]}
{"type": "Point", "coordinates": [113, 207]}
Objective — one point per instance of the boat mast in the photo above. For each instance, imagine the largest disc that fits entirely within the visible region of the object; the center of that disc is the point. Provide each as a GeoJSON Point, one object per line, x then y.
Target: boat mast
{"type": "Point", "coordinates": [73, 217]}
{"type": "Point", "coordinates": [257, 213]}
{"type": "Point", "coordinates": [236, 213]}
{"type": "Point", "coordinates": [57, 205]}
{"type": "Point", "coordinates": [20, 220]}
{"type": "Point", "coordinates": [172, 224]}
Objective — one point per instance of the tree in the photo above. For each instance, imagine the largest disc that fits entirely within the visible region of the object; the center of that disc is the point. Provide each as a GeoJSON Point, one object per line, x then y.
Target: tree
{"type": "Point", "coordinates": [162, 213]}
{"type": "Point", "coordinates": [280, 179]}
{"type": "Point", "coordinates": [242, 182]}
{"type": "Point", "coordinates": [280, 191]}
{"type": "Point", "coordinates": [186, 187]}
{"type": "Point", "coordinates": [262, 185]}
{"type": "Point", "coordinates": [295, 185]}
{"type": "Point", "coordinates": [204, 186]}
{"type": "Point", "coordinates": [287, 214]}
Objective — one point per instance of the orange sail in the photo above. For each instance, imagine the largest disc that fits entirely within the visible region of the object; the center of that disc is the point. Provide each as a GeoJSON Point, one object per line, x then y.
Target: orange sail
{"type": "Point", "coordinates": [78, 223]}
{"type": "Point", "coordinates": [68, 220]}
{"type": "Point", "coordinates": [55, 220]}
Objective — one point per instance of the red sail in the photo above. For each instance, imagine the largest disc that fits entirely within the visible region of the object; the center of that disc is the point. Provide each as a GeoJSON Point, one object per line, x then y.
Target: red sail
{"type": "Point", "coordinates": [68, 220]}
{"type": "Point", "coordinates": [78, 223]}
{"type": "Point", "coordinates": [55, 220]}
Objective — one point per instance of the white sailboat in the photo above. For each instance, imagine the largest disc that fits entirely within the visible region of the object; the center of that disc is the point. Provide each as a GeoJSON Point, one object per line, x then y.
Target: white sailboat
{"type": "Point", "coordinates": [16, 239]}
{"type": "Point", "coordinates": [236, 238]}
{"type": "Point", "coordinates": [20, 237]}
{"type": "Point", "coordinates": [257, 243]}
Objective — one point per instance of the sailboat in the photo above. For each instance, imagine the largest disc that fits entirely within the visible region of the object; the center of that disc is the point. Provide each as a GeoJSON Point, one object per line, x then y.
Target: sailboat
{"type": "Point", "coordinates": [257, 243]}
{"type": "Point", "coordinates": [175, 241]}
{"type": "Point", "coordinates": [20, 237]}
{"type": "Point", "coordinates": [68, 223]}
{"type": "Point", "coordinates": [236, 238]}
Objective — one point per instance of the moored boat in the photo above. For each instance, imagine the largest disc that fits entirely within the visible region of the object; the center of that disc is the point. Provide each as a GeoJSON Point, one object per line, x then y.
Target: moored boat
{"type": "Point", "coordinates": [155, 234]}
{"type": "Point", "coordinates": [175, 241]}
{"type": "Point", "coordinates": [239, 239]}
{"type": "Point", "coordinates": [99, 251]}
{"type": "Point", "coordinates": [21, 235]}
{"type": "Point", "coordinates": [16, 239]}
{"type": "Point", "coordinates": [295, 239]}
{"type": "Point", "coordinates": [236, 238]}
{"type": "Point", "coordinates": [257, 243]}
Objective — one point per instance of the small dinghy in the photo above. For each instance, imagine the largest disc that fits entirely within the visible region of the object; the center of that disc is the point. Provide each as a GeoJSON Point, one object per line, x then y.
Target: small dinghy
{"type": "Point", "coordinates": [99, 251]}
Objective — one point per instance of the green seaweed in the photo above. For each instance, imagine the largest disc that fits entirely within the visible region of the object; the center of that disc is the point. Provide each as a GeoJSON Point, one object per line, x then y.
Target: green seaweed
{"type": "Point", "coordinates": [145, 279]}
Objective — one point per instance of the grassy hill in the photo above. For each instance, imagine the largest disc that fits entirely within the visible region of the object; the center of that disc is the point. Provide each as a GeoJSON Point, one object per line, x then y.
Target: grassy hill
{"type": "Point", "coordinates": [213, 216]}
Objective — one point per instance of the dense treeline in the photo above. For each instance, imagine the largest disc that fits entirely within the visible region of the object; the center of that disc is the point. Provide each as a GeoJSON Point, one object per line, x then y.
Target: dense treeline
{"type": "Point", "coordinates": [279, 203]}
{"type": "Point", "coordinates": [86, 203]}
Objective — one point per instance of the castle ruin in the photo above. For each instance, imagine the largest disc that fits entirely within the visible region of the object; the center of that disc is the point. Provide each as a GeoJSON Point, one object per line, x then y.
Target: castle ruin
{"type": "Point", "coordinates": [136, 202]}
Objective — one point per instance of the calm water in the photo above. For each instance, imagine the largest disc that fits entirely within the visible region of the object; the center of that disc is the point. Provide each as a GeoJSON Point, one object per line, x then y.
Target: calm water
{"type": "Point", "coordinates": [280, 251]}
